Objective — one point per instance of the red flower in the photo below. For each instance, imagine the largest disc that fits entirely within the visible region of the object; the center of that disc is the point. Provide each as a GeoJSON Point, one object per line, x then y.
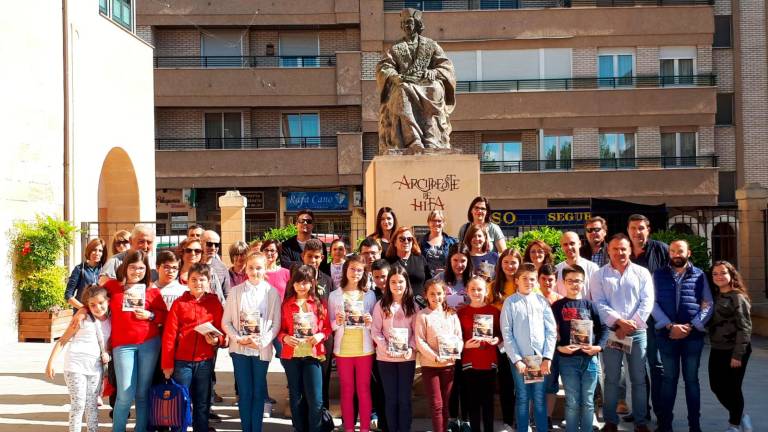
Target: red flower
{"type": "Point", "coordinates": [27, 249]}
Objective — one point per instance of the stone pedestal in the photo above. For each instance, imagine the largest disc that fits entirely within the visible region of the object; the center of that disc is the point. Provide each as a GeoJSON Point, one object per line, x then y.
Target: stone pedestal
{"type": "Point", "coordinates": [232, 206]}
{"type": "Point", "coordinates": [415, 185]}
{"type": "Point", "coordinates": [752, 200]}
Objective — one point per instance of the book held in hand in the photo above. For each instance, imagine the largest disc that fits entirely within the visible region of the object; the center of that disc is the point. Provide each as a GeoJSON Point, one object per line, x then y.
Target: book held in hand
{"type": "Point", "coordinates": [482, 327]}
{"type": "Point", "coordinates": [619, 344]}
{"type": "Point", "coordinates": [581, 332]}
{"type": "Point", "coordinates": [135, 298]}
{"type": "Point", "coordinates": [302, 325]}
{"type": "Point", "coordinates": [397, 344]}
{"type": "Point", "coordinates": [250, 323]}
{"type": "Point", "coordinates": [533, 369]}
{"type": "Point", "coordinates": [353, 312]}
{"type": "Point", "coordinates": [207, 328]}
{"type": "Point", "coordinates": [448, 346]}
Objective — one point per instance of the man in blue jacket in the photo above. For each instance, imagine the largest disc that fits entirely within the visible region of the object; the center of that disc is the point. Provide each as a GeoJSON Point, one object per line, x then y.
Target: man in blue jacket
{"type": "Point", "coordinates": [682, 308]}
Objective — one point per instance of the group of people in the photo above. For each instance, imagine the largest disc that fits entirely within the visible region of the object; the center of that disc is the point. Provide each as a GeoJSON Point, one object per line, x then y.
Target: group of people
{"type": "Point", "coordinates": [475, 315]}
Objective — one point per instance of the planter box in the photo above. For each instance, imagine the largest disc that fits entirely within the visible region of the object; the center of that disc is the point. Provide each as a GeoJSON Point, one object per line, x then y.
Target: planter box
{"type": "Point", "coordinates": [43, 325]}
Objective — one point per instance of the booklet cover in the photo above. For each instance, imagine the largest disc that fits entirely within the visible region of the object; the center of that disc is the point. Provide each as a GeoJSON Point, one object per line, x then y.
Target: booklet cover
{"type": "Point", "coordinates": [397, 344]}
{"type": "Point", "coordinates": [302, 325]}
{"type": "Point", "coordinates": [482, 327]}
{"type": "Point", "coordinates": [250, 323]}
{"type": "Point", "coordinates": [533, 369]}
{"type": "Point", "coordinates": [448, 346]}
{"type": "Point", "coordinates": [581, 332]}
{"type": "Point", "coordinates": [208, 328]}
{"type": "Point", "coordinates": [353, 310]}
{"type": "Point", "coordinates": [135, 298]}
{"type": "Point", "coordinates": [619, 344]}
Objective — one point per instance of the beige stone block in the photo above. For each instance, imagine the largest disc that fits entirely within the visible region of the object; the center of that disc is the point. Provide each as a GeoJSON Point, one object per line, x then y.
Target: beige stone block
{"type": "Point", "coordinates": [350, 153]}
{"type": "Point", "coordinates": [232, 206]}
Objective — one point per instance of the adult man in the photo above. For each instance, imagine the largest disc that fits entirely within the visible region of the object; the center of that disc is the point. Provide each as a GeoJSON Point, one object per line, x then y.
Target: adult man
{"type": "Point", "coordinates": [219, 271]}
{"type": "Point", "coordinates": [290, 250]}
{"type": "Point", "coordinates": [571, 246]}
{"type": "Point", "coordinates": [594, 249]}
{"type": "Point", "coordinates": [195, 231]}
{"type": "Point", "coordinates": [142, 238]}
{"type": "Point", "coordinates": [653, 255]}
{"type": "Point", "coordinates": [370, 251]}
{"type": "Point", "coordinates": [623, 292]}
{"type": "Point", "coordinates": [682, 308]}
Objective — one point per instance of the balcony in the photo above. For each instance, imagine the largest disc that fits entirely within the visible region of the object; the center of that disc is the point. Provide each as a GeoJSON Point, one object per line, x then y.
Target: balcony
{"type": "Point", "coordinates": [212, 62]}
{"type": "Point", "coordinates": [438, 5]}
{"type": "Point", "coordinates": [599, 164]}
{"type": "Point", "coordinates": [245, 143]}
{"type": "Point", "coordinates": [586, 83]}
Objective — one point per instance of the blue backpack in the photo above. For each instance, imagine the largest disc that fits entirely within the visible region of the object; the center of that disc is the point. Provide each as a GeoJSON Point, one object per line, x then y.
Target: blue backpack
{"type": "Point", "coordinates": [170, 406]}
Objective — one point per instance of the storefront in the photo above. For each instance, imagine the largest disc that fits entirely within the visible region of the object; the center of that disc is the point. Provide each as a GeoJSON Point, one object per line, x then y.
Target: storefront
{"type": "Point", "coordinates": [515, 222]}
{"type": "Point", "coordinates": [337, 212]}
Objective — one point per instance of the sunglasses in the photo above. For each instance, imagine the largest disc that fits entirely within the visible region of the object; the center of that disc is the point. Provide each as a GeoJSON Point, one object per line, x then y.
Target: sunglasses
{"type": "Point", "coordinates": [306, 221]}
{"type": "Point", "coordinates": [212, 244]}
{"type": "Point", "coordinates": [593, 230]}
{"type": "Point", "coordinates": [405, 239]}
{"type": "Point", "coordinates": [123, 242]}
{"type": "Point", "coordinates": [193, 251]}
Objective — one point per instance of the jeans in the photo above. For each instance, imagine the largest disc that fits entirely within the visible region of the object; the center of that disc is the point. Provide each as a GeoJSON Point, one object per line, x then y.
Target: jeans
{"type": "Point", "coordinates": [438, 382]}
{"type": "Point", "coordinates": [674, 353]}
{"type": "Point", "coordinates": [305, 387]}
{"type": "Point", "coordinates": [355, 378]}
{"type": "Point", "coordinates": [196, 376]}
{"type": "Point", "coordinates": [525, 393]}
{"type": "Point", "coordinates": [656, 368]}
{"type": "Point", "coordinates": [134, 368]}
{"type": "Point", "coordinates": [251, 379]}
{"type": "Point", "coordinates": [725, 381]}
{"type": "Point", "coordinates": [579, 375]}
{"type": "Point", "coordinates": [397, 380]}
{"type": "Point", "coordinates": [612, 359]}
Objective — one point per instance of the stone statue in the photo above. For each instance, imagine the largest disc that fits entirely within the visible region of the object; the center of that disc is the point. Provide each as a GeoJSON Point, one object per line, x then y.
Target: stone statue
{"type": "Point", "coordinates": [417, 85]}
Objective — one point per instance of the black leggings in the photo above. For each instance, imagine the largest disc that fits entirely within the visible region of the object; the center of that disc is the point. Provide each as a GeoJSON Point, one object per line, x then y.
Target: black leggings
{"type": "Point", "coordinates": [506, 389]}
{"type": "Point", "coordinates": [725, 382]}
{"type": "Point", "coordinates": [479, 386]}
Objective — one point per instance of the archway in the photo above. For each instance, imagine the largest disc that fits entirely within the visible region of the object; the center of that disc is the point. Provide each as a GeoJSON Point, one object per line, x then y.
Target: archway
{"type": "Point", "coordinates": [118, 194]}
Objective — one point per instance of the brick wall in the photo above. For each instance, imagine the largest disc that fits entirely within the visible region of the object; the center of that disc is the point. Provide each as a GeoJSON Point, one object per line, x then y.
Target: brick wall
{"type": "Point", "coordinates": [370, 145]}
{"type": "Point", "coordinates": [177, 42]}
{"type": "Point", "coordinates": [584, 62]}
{"type": "Point", "coordinates": [146, 34]}
{"type": "Point", "coordinates": [468, 141]}
{"type": "Point", "coordinates": [647, 60]}
{"type": "Point", "coordinates": [530, 139]}
{"type": "Point", "coordinates": [725, 147]}
{"type": "Point", "coordinates": [265, 122]}
{"type": "Point", "coordinates": [369, 60]}
{"type": "Point", "coordinates": [706, 141]}
{"type": "Point", "coordinates": [722, 65]}
{"type": "Point", "coordinates": [189, 123]}
{"type": "Point", "coordinates": [332, 120]}
{"type": "Point", "coordinates": [723, 7]}
{"type": "Point", "coordinates": [648, 142]}
{"type": "Point", "coordinates": [586, 143]}
{"type": "Point", "coordinates": [331, 41]}
{"type": "Point", "coordinates": [703, 59]}
{"type": "Point", "coordinates": [258, 40]}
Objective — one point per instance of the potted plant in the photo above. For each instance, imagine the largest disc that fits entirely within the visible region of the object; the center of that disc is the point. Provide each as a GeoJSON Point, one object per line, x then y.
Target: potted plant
{"type": "Point", "coordinates": [38, 249]}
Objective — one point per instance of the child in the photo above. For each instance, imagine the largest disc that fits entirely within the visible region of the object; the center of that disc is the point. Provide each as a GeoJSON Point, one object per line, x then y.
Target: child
{"type": "Point", "coordinates": [396, 310]}
{"type": "Point", "coordinates": [85, 358]}
{"type": "Point", "coordinates": [303, 348]}
{"type": "Point", "coordinates": [167, 272]}
{"type": "Point", "coordinates": [379, 272]}
{"type": "Point", "coordinates": [481, 251]}
{"type": "Point", "coordinates": [351, 308]}
{"type": "Point", "coordinates": [479, 355]}
{"type": "Point", "coordinates": [528, 329]}
{"type": "Point", "coordinates": [251, 321]}
{"type": "Point", "coordinates": [547, 288]}
{"type": "Point", "coordinates": [188, 355]}
{"type": "Point", "coordinates": [338, 256]}
{"type": "Point", "coordinates": [577, 351]}
{"type": "Point", "coordinates": [438, 341]}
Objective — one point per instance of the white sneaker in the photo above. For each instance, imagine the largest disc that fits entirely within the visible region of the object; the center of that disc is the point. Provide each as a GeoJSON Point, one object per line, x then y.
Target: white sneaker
{"type": "Point", "coordinates": [508, 428]}
{"type": "Point", "coordinates": [732, 428]}
{"type": "Point", "coordinates": [267, 410]}
{"type": "Point", "coordinates": [746, 423]}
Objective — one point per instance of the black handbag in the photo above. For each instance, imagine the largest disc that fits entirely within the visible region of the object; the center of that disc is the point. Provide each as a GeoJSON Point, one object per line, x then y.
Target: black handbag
{"type": "Point", "coordinates": [326, 421]}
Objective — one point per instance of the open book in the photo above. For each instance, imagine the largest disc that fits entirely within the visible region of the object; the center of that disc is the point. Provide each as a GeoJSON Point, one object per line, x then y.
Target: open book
{"type": "Point", "coordinates": [207, 328]}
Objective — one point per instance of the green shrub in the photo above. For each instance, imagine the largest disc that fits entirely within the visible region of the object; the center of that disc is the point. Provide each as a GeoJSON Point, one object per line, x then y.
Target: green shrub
{"type": "Point", "coordinates": [40, 244]}
{"type": "Point", "coordinates": [280, 234]}
{"type": "Point", "coordinates": [699, 250]}
{"type": "Point", "coordinates": [43, 290]}
{"type": "Point", "coordinates": [548, 235]}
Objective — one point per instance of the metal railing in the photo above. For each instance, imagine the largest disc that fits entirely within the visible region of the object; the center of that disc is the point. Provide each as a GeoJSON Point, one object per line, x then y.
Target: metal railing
{"type": "Point", "coordinates": [438, 5]}
{"type": "Point", "coordinates": [586, 83]}
{"type": "Point", "coordinates": [245, 143]}
{"type": "Point", "coordinates": [212, 62]}
{"type": "Point", "coordinates": [599, 163]}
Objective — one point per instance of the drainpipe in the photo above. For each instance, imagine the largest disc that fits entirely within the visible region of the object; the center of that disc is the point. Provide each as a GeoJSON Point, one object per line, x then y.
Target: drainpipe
{"type": "Point", "coordinates": [65, 87]}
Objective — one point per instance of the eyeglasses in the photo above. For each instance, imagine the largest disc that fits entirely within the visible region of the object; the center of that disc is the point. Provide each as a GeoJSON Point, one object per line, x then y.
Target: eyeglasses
{"type": "Point", "coordinates": [193, 251]}
{"type": "Point", "coordinates": [574, 281]}
{"type": "Point", "coordinates": [306, 221]}
{"type": "Point", "coordinates": [171, 268]}
{"type": "Point", "coordinates": [405, 239]}
{"type": "Point", "coordinates": [137, 268]}
{"type": "Point", "coordinates": [270, 251]}
{"type": "Point", "coordinates": [593, 230]}
{"type": "Point", "coordinates": [538, 252]}
{"type": "Point", "coordinates": [437, 220]}
{"type": "Point", "coordinates": [212, 244]}
{"type": "Point", "coordinates": [476, 208]}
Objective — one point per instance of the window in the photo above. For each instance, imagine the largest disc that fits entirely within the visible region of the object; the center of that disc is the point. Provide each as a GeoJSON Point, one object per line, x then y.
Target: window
{"type": "Point", "coordinates": [617, 150]}
{"type": "Point", "coordinates": [222, 48]}
{"type": "Point", "coordinates": [677, 65]}
{"type": "Point", "coordinates": [301, 129]}
{"type": "Point", "coordinates": [724, 115]}
{"type": "Point", "coordinates": [299, 50]}
{"type": "Point", "coordinates": [678, 149]}
{"type": "Point", "coordinates": [727, 183]}
{"type": "Point", "coordinates": [501, 156]}
{"type": "Point", "coordinates": [223, 130]}
{"type": "Point", "coordinates": [122, 13]}
{"type": "Point", "coordinates": [499, 4]}
{"type": "Point", "coordinates": [556, 152]}
{"type": "Point", "coordinates": [507, 65]}
{"type": "Point", "coordinates": [722, 38]}
{"type": "Point", "coordinates": [104, 6]}
{"type": "Point", "coordinates": [615, 68]}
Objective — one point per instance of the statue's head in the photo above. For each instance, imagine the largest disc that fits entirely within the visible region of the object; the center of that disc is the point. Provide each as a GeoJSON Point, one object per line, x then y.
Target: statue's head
{"type": "Point", "coordinates": [410, 21]}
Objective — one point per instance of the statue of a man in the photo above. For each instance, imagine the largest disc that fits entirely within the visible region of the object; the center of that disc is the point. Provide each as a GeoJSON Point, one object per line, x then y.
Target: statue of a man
{"type": "Point", "coordinates": [417, 85]}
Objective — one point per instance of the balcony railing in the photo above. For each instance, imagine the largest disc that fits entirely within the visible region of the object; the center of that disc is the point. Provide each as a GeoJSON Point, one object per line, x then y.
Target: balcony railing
{"type": "Point", "coordinates": [245, 61]}
{"type": "Point", "coordinates": [598, 163]}
{"type": "Point", "coordinates": [245, 143]}
{"type": "Point", "coordinates": [438, 5]}
{"type": "Point", "coordinates": [586, 83]}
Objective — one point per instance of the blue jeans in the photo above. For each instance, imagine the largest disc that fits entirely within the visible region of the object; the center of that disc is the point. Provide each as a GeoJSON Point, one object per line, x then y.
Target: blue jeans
{"type": "Point", "coordinates": [397, 380]}
{"type": "Point", "coordinates": [524, 394]}
{"type": "Point", "coordinates": [612, 359]}
{"type": "Point", "coordinates": [251, 379]}
{"type": "Point", "coordinates": [656, 369]}
{"type": "Point", "coordinates": [579, 375]}
{"type": "Point", "coordinates": [134, 369]}
{"type": "Point", "coordinates": [305, 387]}
{"type": "Point", "coordinates": [196, 376]}
{"type": "Point", "coordinates": [674, 353]}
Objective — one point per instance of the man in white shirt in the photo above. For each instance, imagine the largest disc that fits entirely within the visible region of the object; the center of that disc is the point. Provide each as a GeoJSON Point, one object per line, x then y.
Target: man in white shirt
{"type": "Point", "coordinates": [571, 245]}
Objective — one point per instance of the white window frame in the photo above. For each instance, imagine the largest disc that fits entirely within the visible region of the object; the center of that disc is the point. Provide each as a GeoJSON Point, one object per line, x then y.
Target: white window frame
{"type": "Point", "coordinates": [615, 53]}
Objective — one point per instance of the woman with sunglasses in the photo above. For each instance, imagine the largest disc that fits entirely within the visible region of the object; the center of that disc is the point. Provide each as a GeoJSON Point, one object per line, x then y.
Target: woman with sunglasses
{"type": "Point", "coordinates": [479, 213]}
{"type": "Point", "coordinates": [407, 254]}
{"type": "Point", "coordinates": [191, 253]}
{"type": "Point", "coordinates": [121, 242]}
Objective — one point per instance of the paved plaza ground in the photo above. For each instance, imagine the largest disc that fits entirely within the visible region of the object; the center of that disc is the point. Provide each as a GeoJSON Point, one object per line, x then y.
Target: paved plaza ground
{"type": "Point", "coordinates": [30, 402]}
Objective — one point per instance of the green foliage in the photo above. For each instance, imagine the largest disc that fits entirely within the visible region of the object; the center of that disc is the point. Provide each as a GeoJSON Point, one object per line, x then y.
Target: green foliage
{"type": "Point", "coordinates": [548, 235]}
{"type": "Point", "coordinates": [43, 290]}
{"type": "Point", "coordinates": [280, 234]}
{"type": "Point", "coordinates": [699, 250]}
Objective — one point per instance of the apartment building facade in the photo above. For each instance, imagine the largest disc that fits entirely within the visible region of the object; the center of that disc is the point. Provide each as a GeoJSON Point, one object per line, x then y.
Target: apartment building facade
{"type": "Point", "coordinates": [647, 101]}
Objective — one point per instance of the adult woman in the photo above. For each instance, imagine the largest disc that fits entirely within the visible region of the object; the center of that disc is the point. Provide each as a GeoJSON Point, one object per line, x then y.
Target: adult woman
{"type": "Point", "coordinates": [730, 330]}
{"type": "Point", "coordinates": [338, 256]}
{"type": "Point", "coordinates": [276, 276]}
{"type": "Point", "coordinates": [434, 245]}
{"type": "Point", "coordinates": [538, 253]}
{"type": "Point", "coordinates": [121, 242]}
{"type": "Point", "coordinates": [238, 251]}
{"type": "Point", "coordinates": [484, 259]}
{"type": "Point", "coordinates": [86, 273]}
{"type": "Point", "coordinates": [138, 311]}
{"type": "Point", "coordinates": [191, 253]}
{"type": "Point", "coordinates": [479, 213]}
{"type": "Point", "coordinates": [407, 254]}
{"type": "Point", "coordinates": [386, 224]}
